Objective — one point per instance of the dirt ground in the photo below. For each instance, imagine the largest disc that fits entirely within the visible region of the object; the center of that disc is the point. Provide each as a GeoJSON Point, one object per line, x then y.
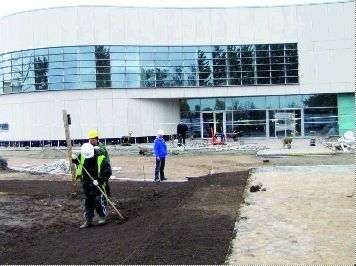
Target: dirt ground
{"type": "Point", "coordinates": [168, 223]}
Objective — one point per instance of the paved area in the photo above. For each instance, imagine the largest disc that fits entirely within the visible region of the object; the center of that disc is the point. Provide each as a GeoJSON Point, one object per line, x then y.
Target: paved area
{"type": "Point", "coordinates": [305, 216]}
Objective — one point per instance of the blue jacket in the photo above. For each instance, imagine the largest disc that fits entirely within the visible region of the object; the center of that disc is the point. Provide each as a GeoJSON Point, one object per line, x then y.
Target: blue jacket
{"type": "Point", "coordinates": [160, 148]}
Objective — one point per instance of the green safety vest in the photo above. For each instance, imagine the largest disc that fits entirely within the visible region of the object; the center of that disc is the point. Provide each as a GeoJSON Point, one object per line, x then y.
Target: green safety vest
{"type": "Point", "coordinates": [81, 163]}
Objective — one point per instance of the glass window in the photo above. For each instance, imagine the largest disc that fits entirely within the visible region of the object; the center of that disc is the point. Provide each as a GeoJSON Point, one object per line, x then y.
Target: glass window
{"type": "Point", "coordinates": [86, 49]}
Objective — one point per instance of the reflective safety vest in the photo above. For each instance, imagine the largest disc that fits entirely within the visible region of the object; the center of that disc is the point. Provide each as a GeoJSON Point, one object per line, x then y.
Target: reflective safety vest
{"type": "Point", "coordinates": [100, 159]}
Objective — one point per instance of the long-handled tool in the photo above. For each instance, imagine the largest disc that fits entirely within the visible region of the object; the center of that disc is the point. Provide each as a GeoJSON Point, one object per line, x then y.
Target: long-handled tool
{"type": "Point", "coordinates": [123, 219]}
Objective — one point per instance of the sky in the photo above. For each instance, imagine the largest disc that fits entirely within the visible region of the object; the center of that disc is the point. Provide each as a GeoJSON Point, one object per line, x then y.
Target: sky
{"type": "Point", "coordinates": [8, 7]}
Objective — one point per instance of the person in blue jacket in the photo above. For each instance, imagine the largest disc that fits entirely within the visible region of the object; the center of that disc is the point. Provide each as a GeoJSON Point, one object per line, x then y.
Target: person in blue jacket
{"type": "Point", "coordinates": [160, 152]}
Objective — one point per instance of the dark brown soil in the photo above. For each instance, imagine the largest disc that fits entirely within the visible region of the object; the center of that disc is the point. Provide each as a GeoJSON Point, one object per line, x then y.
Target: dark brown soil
{"type": "Point", "coordinates": [168, 223]}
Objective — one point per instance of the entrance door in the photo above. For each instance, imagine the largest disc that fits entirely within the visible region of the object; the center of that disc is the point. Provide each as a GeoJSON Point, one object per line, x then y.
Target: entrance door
{"type": "Point", "coordinates": [212, 121]}
{"type": "Point", "coordinates": [285, 123]}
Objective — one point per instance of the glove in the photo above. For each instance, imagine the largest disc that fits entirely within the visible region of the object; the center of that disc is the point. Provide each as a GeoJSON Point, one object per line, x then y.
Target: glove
{"type": "Point", "coordinates": [74, 156]}
{"type": "Point", "coordinates": [96, 148]}
{"type": "Point", "coordinates": [95, 182]}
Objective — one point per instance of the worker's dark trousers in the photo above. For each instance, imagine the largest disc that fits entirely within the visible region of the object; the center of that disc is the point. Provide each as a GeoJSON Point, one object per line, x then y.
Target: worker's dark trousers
{"type": "Point", "coordinates": [159, 170]}
{"type": "Point", "coordinates": [94, 202]}
{"type": "Point", "coordinates": [181, 139]}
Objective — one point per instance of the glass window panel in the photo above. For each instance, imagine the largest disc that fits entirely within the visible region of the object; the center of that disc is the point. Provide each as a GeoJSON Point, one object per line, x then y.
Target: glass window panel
{"type": "Point", "coordinates": [190, 56]}
{"type": "Point", "coordinates": [176, 63]}
{"type": "Point", "coordinates": [88, 77]}
{"type": "Point", "coordinates": [55, 79]}
{"type": "Point", "coordinates": [70, 86]}
{"type": "Point", "coordinates": [132, 49]}
{"type": "Point", "coordinates": [278, 80]}
{"type": "Point", "coordinates": [133, 70]}
{"type": "Point", "coordinates": [292, 80]}
{"type": "Point", "coordinates": [86, 49]}
{"type": "Point", "coordinates": [262, 47]}
{"type": "Point", "coordinates": [54, 65]}
{"type": "Point", "coordinates": [147, 49]}
{"type": "Point", "coordinates": [162, 63]}
{"type": "Point", "coordinates": [70, 71]}
{"type": "Point", "coordinates": [87, 70]}
{"type": "Point", "coordinates": [175, 56]}
{"type": "Point", "coordinates": [70, 57]}
{"type": "Point", "coordinates": [320, 100]}
{"type": "Point", "coordinates": [292, 60]}
{"type": "Point", "coordinates": [70, 64]}
{"type": "Point", "coordinates": [87, 64]}
{"type": "Point", "coordinates": [118, 77]}
{"type": "Point", "coordinates": [88, 85]}
{"type": "Point", "coordinates": [277, 66]}
{"type": "Point", "coordinates": [276, 47]}
{"type": "Point", "coordinates": [55, 57]}
{"type": "Point", "coordinates": [190, 63]}
{"type": "Point", "coordinates": [263, 81]}
{"type": "Point", "coordinates": [86, 57]}
{"type": "Point", "coordinates": [55, 86]}
{"type": "Point", "coordinates": [133, 63]}
{"type": "Point", "coordinates": [147, 63]}
{"type": "Point", "coordinates": [147, 56]}
{"type": "Point", "coordinates": [161, 56]}
{"type": "Point", "coordinates": [118, 69]}
{"type": "Point", "coordinates": [290, 46]}
{"type": "Point", "coordinates": [71, 78]}
{"type": "Point", "coordinates": [41, 52]}
{"type": "Point", "coordinates": [55, 72]}
{"type": "Point", "coordinates": [277, 53]}
{"type": "Point", "coordinates": [161, 49]}
{"type": "Point", "coordinates": [119, 84]}
{"type": "Point", "coordinates": [70, 49]}
{"type": "Point", "coordinates": [117, 56]}
{"type": "Point", "coordinates": [175, 49]}
{"type": "Point", "coordinates": [117, 63]}
{"type": "Point", "coordinates": [117, 49]}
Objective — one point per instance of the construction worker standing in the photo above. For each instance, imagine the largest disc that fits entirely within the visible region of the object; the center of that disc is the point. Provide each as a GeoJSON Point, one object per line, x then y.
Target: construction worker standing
{"type": "Point", "coordinates": [93, 170]}
{"type": "Point", "coordinates": [160, 151]}
{"type": "Point", "coordinates": [100, 147]}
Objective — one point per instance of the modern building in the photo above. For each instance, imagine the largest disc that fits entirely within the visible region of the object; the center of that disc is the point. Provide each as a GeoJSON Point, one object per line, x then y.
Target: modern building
{"type": "Point", "coordinates": [260, 71]}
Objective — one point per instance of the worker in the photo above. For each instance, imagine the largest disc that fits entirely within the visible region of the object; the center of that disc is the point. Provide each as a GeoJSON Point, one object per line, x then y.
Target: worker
{"type": "Point", "coordinates": [94, 140]}
{"type": "Point", "coordinates": [182, 129]}
{"type": "Point", "coordinates": [93, 170]}
{"type": "Point", "coordinates": [160, 151]}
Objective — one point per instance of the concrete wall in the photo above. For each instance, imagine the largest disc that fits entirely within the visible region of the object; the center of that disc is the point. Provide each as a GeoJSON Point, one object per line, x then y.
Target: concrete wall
{"type": "Point", "coordinates": [38, 115]}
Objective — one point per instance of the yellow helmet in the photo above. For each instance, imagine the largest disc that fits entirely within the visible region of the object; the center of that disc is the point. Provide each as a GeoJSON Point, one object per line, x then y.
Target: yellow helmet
{"type": "Point", "coordinates": [93, 134]}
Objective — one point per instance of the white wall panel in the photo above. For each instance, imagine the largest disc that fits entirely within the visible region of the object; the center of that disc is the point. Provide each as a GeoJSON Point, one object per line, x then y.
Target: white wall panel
{"type": "Point", "coordinates": [334, 25]}
{"type": "Point", "coordinates": [55, 31]}
{"type": "Point", "coordinates": [102, 25]}
{"type": "Point", "coordinates": [305, 25]}
{"type": "Point", "coordinates": [218, 26]}
{"type": "Point", "coordinates": [276, 25]}
{"type": "Point", "coordinates": [342, 63]}
{"type": "Point", "coordinates": [76, 26]}
{"type": "Point", "coordinates": [147, 36]}
{"type": "Point", "coordinates": [86, 25]}
{"type": "Point", "coordinates": [320, 22]}
{"type": "Point", "coordinates": [117, 26]}
{"type": "Point", "coordinates": [290, 23]}
{"type": "Point", "coordinates": [189, 26]}
{"type": "Point", "coordinates": [246, 20]}
{"type": "Point", "coordinates": [175, 27]}
{"type": "Point", "coordinates": [349, 21]}
{"type": "Point", "coordinates": [260, 26]}
{"type": "Point", "coordinates": [40, 27]}
{"type": "Point", "coordinates": [203, 29]}
{"type": "Point", "coordinates": [232, 26]}
{"type": "Point", "coordinates": [132, 26]}
{"type": "Point", "coordinates": [322, 66]}
{"type": "Point", "coordinates": [160, 28]}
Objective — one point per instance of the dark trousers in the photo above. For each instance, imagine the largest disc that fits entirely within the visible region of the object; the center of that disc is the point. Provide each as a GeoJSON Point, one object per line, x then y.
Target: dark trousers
{"type": "Point", "coordinates": [94, 202]}
{"type": "Point", "coordinates": [159, 170]}
{"type": "Point", "coordinates": [181, 139]}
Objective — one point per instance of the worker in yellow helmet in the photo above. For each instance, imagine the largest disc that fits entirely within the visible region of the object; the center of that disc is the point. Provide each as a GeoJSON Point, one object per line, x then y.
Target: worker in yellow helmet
{"type": "Point", "coordinates": [100, 147]}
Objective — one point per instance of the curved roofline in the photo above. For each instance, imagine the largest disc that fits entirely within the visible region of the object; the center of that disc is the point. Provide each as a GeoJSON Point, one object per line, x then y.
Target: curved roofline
{"type": "Point", "coordinates": [177, 7]}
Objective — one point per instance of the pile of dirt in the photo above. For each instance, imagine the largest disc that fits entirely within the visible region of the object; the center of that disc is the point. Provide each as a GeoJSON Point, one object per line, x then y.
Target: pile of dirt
{"type": "Point", "coordinates": [169, 223]}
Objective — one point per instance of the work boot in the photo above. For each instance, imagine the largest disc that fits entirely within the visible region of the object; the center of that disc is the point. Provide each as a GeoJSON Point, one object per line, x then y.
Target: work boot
{"type": "Point", "coordinates": [101, 221]}
{"type": "Point", "coordinates": [86, 224]}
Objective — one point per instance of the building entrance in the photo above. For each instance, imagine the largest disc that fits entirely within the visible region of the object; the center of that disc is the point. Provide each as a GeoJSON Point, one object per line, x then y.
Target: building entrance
{"type": "Point", "coordinates": [212, 121]}
{"type": "Point", "coordinates": [285, 123]}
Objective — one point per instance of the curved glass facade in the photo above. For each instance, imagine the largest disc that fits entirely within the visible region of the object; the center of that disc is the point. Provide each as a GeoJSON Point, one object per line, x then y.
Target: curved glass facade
{"type": "Point", "coordinates": [98, 66]}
